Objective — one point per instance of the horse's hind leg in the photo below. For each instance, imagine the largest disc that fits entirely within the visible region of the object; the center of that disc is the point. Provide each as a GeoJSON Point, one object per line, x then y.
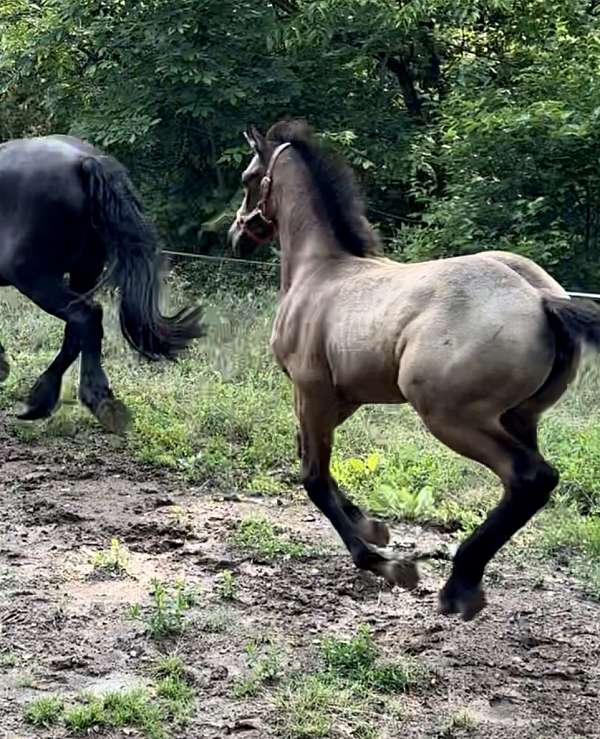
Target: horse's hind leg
{"type": "Point", "coordinates": [83, 331]}
{"type": "Point", "coordinates": [45, 393]}
{"type": "Point", "coordinates": [316, 428]}
{"type": "Point", "coordinates": [528, 481]}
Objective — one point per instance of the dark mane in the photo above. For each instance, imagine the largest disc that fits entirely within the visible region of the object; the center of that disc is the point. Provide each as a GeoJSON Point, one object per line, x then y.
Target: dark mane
{"type": "Point", "coordinates": [341, 200]}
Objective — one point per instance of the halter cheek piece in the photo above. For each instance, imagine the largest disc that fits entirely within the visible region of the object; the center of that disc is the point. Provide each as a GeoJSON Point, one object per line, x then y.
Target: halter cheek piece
{"type": "Point", "coordinates": [258, 218]}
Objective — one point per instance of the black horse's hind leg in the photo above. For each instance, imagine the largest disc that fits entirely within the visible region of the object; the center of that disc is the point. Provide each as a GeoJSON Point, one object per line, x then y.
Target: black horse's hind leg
{"type": "Point", "coordinates": [94, 389]}
{"type": "Point", "coordinates": [4, 366]}
{"type": "Point", "coordinates": [45, 394]}
{"type": "Point", "coordinates": [82, 332]}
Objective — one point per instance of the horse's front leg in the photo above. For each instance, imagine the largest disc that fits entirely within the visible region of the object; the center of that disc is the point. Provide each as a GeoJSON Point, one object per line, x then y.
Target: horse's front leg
{"type": "Point", "coordinates": [318, 417]}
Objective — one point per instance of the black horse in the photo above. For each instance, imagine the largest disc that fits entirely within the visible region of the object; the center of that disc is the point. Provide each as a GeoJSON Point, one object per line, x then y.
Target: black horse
{"type": "Point", "coordinates": [66, 209]}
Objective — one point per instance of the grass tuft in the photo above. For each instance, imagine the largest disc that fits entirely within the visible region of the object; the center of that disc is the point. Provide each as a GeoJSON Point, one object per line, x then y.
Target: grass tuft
{"type": "Point", "coordinates": [44, 712]}
{"type": "Point", "coordinates": [258, 536]}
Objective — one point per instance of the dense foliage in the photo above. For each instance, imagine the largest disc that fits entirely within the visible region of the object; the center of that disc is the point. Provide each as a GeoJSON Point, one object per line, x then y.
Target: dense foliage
{"type": "Point", "coordinates": [474, 123]}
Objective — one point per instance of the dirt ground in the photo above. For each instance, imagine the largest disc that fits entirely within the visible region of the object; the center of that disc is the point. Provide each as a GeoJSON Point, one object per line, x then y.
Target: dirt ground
{"type": "Point", "coordinates": [529, 666]}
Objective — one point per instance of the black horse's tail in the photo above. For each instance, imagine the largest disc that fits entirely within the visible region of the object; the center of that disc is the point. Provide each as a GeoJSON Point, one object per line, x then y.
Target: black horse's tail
{"type": "Point", "coordinates": [134, 262]}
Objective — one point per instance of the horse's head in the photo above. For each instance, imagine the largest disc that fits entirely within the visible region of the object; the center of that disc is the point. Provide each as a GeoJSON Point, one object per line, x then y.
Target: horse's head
{"type": "Point", "coordinates": [255, 221]}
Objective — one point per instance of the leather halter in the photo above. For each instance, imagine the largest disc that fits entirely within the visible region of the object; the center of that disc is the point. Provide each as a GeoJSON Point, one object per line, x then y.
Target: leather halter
{"type": "Point", "coordinates": [259, 216]}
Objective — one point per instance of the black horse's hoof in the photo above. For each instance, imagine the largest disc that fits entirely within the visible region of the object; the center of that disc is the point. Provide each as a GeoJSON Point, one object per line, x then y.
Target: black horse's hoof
{"type": "Point", "coordinates": [4, 368]}
{"type": "Point", "coordinates": [42, 400]}
{"type": "Point", "coordinates": [113, 415]}
{"type": "Point", "coordinates": [467, 601]}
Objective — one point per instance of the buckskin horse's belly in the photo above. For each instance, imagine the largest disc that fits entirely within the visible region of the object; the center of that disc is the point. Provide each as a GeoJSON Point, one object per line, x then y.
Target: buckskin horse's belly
{"type": "Point", "coordinates": [364, 373]}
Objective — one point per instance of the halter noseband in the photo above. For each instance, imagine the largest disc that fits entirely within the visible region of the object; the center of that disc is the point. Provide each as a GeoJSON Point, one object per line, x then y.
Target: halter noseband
{"type": "Point", "coordinates": [258, 216]}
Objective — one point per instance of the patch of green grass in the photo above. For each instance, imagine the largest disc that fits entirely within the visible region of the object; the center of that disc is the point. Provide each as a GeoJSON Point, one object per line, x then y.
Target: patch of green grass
{"type": "Point", "coordinates": [227, 586]}
{"type": "Point", "coordinates": [573, 446]}
{"type": "Point", "coordinates": [262, 669]}
{"type": "Point", "coordinates": [167, 614]}
{"type": "Point", "coordinates": [24, 680]}
{"type": "Point", "coordinates": [311, 706]}
{"type": "Point", "coordinates": [568, 536]}
{"type": "Point", "coordinates": [169, 665]}
{"type": "Point", "coordinates": [177, 696]}
{"type": "Point", "coordinates": [410, 484]}
{"type": "Point", "coordinates": [216, 621]}
{"type": "Point", "coordinates": [126, 708]}
{"type": "Point", "coordinates": [462, 721]}
{"type": "Point", "coordinates": [356, 661]}
{"type": "Point", "coordinates": [44, 712]}
{"type": "Point", "coordinates": [8, 660]}
{"type": "Point", "coordinates": [348, 693]}
{"type": "Point", "coordinates": [258, 536]}
{"type": "Point", "coordinates": [113, 561]}
{"type": "Point", "coordinates": [85, 716]}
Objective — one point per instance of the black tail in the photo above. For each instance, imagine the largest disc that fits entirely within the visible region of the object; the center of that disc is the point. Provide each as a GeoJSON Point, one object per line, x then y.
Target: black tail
{"type": "Point", "coordinates": [573, 322]}
{"type": "Point", "coordinates": [134, 263]}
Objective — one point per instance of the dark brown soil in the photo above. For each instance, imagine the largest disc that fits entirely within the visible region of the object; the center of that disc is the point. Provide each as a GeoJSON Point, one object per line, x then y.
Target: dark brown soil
{"type": "Point", "coordinates": [529, 666]}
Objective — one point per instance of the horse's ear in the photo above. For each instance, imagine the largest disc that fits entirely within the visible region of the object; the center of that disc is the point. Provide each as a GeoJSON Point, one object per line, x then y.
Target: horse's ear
{"type": "Point", "coordinates": [255, 138]}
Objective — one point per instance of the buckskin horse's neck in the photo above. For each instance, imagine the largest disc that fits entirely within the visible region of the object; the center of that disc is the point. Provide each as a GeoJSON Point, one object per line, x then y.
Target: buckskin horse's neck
{"type": "Point", "coordinates": [305, 237]}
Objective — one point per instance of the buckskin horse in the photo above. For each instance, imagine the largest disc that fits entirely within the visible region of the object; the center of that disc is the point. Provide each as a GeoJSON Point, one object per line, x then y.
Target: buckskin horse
{"type": "Point", "coordinates": [478, 345]}
{"type": "Point", "coordinates": [68, 209]}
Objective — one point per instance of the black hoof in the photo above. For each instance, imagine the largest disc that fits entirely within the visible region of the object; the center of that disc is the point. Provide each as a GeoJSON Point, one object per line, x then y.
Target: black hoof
{"type": "Point", "coordinates": [467, 601]}
{"type": "Point", "coordinates": [4, 368]}
{"type": "Point", "coordinates": [402, 572]}
{"type": "Point", "coordinates": [375, 532]}
{"type": "Point", "coordinates": [113, 415]}
{"type": "Point", "coordinates": [42, 400]}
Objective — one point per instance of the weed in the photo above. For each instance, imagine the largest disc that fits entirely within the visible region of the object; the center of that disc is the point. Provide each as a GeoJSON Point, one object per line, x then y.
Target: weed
{"type": "Point", "coordinates": [117, 709]}
{"type": "Point", "coordinates": [463, 720]}
{"type": "Point", "coordinates": [24, 680]}
{"type": "Point", "coordinates": [169, 665]}
{"type": "Point", "coordinates": [262, 670]}
{"type": "Point", "coordinates": [356, 661]}
{"type": "Point", "coordinates": [227, 586]}
{"type": "Point", "coordinates": [177, 696]}
{"type": "Point", "coordinates": [8, 660]}
{"type": "Point", "coordinates": [45, 711]}
{"type": "Point", "coordinates": [113, 561]}
{"type": "Point", "coordinates": [311, 706]}
{"type": "Point", "coordinates": [167, 613]}
{"type": "Point", "coordinates": [258, 536]}
{"type": "Point", "coordinates": [84, 717]}
{"type": "Point", "coordinates": [215, 622]}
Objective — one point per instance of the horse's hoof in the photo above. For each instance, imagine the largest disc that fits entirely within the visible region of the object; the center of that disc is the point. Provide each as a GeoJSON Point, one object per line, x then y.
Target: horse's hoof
{"type": "Point", "coordinates": [4, 368]}
{"type": "Point", "coordinates": [466, 601]}
{"type": "Point", "coordinates": [42, 400]}
{"type": "Point", "coordinates": [113, 415]}
{"type": "Point", "coordinates": [31, 413]}
{"type": "Point", "coordinates": [375, 532]}
{"type": "Point", "coordinates": [402, 572]}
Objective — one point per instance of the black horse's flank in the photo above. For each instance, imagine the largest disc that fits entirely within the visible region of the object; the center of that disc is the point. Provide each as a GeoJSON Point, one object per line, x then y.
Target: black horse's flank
{"type": "Point", "coordinates": [68, 209]}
